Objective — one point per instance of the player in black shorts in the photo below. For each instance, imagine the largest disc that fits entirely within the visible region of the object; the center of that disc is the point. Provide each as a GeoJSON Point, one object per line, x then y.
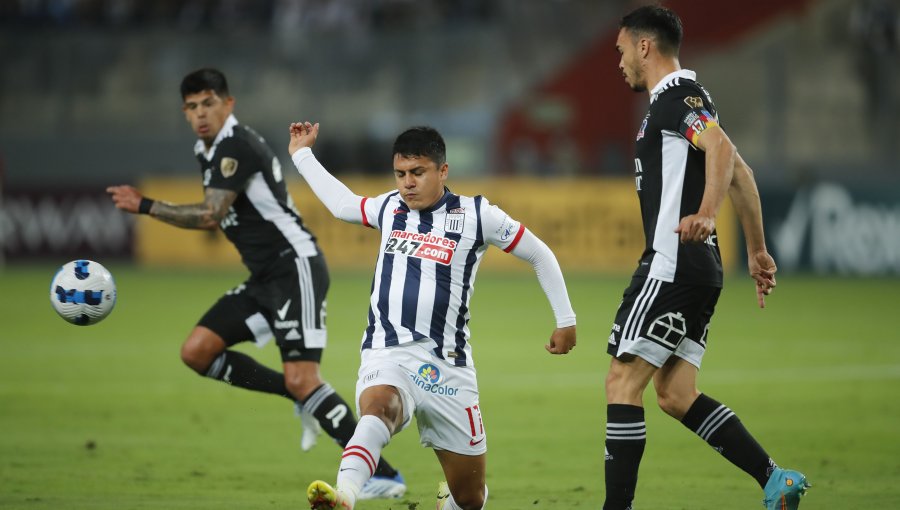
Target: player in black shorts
{"type": "Point", "coordinates": [684, 165]}
{"type": "Point", "coordinates": [245, 195]}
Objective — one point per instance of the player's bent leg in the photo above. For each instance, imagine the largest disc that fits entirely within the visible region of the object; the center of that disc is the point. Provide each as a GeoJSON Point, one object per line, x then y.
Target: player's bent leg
{"type": "Point", "coordinates": [676, 387]}
{"type": "Point", "coordinates": [201, 348]}
{"type": "Point", "coordinates": [465, 475]}
{"type": "Point", "coordinates": [207, 353]}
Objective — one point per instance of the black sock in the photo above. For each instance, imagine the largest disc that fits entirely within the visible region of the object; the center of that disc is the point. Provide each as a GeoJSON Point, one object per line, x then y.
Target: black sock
{"type": "Point", "coordinates": [626, 436]}
{"type": "Point", "coordinates": [720, 427]}
{"type": "Point", "coordinates": [334, 415]}
{"type": "Point", "coordinates": [240, 370]}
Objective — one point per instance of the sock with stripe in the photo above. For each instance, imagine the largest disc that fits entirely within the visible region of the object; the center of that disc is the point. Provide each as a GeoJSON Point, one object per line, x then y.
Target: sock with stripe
{"type": "Point", "coordinates": [333, 414]}
{"type": "Point", "coordinates": [626, 436]}
{"type": "Point", "coordinates": [720, 427]}
{"type": "Point", "coordinates": [362, 453]}
{"type": "Point", "coordinates": [240, 370]}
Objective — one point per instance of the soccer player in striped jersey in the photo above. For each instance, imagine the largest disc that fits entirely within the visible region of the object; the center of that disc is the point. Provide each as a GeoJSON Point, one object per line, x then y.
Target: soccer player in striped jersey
{"type": "Point", "coordinates": [245, 195]}
{"type": "Point", "coordinates": [416, 356]}
{"type": "Point", "coordinates": [684, 165]}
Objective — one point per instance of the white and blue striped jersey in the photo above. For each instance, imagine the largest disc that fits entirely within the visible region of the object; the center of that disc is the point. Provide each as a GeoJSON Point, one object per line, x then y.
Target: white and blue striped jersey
{"type": "Point", "coordinates": [425, 274]}
{"type": "Point", "coordinates": [427, 261]}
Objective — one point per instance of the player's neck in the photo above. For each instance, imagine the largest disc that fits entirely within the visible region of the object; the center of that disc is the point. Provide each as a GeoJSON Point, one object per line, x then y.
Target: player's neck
{"type": "Point", "coordinates": [663, 68]}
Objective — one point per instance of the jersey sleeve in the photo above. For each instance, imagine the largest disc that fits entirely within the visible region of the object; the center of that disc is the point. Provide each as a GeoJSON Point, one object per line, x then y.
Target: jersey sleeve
{"type": "Point", "coordinates": [371, 207]}
{"type": "Point", "coordinates": [233, 165]}
{"type": "Point", "coordinates": [499, 228]}
{"type": "Point", "coordinates": [685, 111]}
{"type": "Point", "coordinates": [334, 194]}
{"type": "Point", "coordinates": [511, 236]}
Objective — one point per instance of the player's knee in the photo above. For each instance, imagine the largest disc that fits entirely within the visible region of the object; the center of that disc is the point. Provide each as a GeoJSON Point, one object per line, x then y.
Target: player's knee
{"type": "Point", "coordinates": [673, 404]}
{"type": "Point", "coordinates": [301, 385]}
{"type": "Point", "coordinates": [196, 357]}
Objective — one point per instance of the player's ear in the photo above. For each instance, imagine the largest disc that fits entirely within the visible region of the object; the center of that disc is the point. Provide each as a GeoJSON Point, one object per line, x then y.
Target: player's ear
{"type": "Point", "coordinates": [643, 47]}
{"type": "Point", "coordinates": [444, 170]}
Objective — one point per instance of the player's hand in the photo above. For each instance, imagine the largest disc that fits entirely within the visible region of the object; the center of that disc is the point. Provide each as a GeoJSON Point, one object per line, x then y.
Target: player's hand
{"type": "Point", "coordinates": [126, 198]}
{"type": "Point", "coordinates": [561, 341]}
{"type": "Point", "coordinates": [762, 269]}
{"type": "Point", "coordinates": [696, 228]}
{"type": "Point", "coordinates": [303, 134]}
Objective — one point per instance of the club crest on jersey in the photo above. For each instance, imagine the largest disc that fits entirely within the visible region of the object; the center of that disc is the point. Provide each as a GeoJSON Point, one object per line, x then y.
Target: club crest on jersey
{"type": "Point", "coordinates": [456, 220]}
{"type": "Point", "coordinates": [643, 127]}
{"type": "Point", "coordinates": [228, 167]}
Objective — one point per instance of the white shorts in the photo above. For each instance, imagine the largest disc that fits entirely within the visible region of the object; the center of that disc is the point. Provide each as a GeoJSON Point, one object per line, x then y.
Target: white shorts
{"type": "Point", "coordinates": [443, 397]}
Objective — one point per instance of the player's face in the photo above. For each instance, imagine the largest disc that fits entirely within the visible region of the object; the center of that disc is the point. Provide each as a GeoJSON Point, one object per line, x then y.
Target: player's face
{"type": "Point", "coordinates": [206, 112]}
{"type": "Point", "coordinates": [629, 63]}
{"type": "Point", "coordinates": [420, 180]}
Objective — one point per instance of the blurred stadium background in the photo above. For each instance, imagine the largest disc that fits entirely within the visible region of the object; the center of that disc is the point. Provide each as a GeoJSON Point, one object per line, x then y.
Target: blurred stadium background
{"type": "Point", "coordinates": [808, 90]}
{"type": "Point", "coordinates": [537, 118]}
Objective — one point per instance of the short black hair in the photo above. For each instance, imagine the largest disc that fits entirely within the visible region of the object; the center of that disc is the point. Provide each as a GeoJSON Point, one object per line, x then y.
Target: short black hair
{"type": "Point", "coordinates": [661, 23]}
{"type": "Point", "coordinates": [421, 141]}
{"type": "Point", "coordinates": [205, 79]}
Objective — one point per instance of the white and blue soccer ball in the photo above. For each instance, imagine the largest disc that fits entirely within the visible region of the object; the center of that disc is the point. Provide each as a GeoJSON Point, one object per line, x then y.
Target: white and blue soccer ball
{"type": "Point", "coordinates": [83, 292]}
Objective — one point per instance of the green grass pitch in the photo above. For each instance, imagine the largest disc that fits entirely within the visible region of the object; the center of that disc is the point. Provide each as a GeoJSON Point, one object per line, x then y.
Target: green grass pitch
{"type": "Point", "coordinates": [107, 417]}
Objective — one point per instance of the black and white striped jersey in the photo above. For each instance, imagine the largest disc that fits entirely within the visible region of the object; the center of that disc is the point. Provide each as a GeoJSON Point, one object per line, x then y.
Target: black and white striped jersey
{"type": "Point", "coordinates": [262, 223]}
{"type": "Point", "coordinates": [670, 175]}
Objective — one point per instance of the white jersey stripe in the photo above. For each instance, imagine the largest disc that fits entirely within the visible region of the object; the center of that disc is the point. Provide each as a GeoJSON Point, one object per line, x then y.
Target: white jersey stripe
{"type": "Point", "coordinates": [665, 240]}
{"type": "Point", "coordinates": [260, 195]}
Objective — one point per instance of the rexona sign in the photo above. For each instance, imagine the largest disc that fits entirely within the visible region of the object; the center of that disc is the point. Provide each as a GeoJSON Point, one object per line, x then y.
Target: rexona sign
{"type": "Point", "coordinates": [829, 229]}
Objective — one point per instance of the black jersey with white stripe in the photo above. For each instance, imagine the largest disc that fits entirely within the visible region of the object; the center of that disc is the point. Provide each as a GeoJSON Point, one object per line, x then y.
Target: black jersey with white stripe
{"type": "Point", "coordinates": [262, 223]}
{"type": "Point", "coordinates": [670, 176]}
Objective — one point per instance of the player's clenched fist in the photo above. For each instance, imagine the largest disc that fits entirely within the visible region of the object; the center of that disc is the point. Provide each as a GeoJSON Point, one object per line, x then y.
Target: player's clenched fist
{"type": "Point", "coordinates": [561, 341]}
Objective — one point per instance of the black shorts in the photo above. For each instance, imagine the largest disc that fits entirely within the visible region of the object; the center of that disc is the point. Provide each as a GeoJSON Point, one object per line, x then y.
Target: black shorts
{"type": "Point", "coordinates": [658, 319]}
{"type": "Point", "coordinates": [289, 305]}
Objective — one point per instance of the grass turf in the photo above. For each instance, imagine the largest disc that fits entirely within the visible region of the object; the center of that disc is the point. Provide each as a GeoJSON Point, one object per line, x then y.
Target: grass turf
{"type": "Point", "coordinates": [107, 417]}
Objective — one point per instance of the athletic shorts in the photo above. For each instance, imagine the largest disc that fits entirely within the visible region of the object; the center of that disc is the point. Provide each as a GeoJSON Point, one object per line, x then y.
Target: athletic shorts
{"type": "Point", "coordinates": [289, 305]}
{"type": "Point", "coordinates": [443, 397]}
{"type": "Point", "coordinates": [659, 319]}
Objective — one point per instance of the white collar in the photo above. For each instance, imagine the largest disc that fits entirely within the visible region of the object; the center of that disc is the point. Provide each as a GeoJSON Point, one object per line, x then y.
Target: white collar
{"type": "Point", "coordinates": [667, 80]}
{"type": "Point", "coordinates": [226, 131]}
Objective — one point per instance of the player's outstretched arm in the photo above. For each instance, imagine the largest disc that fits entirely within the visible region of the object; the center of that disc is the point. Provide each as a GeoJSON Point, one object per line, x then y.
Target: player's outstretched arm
{"type": "Point", "coordinates": [549, 274]}
{"type": "Point", "coordinates": [337, 197]}
{"type": "Point", "coordinates": [745, 198]}
{"type": "Point", "coordinates": [204, 216]}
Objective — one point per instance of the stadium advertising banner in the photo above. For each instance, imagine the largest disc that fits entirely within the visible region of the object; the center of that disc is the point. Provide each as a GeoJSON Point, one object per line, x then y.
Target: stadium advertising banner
{"type": "Point", "coordinates": [63, 224]}
{"type": "Point", "coordinates": [831, 228]}
{"type": "Point", "coordinates": [591, 224]}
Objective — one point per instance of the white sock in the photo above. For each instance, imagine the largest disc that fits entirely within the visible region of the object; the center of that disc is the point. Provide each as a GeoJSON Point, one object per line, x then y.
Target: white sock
{"type": "Point", "coordinates": [450, 504]}
{"type": "Point", "coordinates": [361, 454]}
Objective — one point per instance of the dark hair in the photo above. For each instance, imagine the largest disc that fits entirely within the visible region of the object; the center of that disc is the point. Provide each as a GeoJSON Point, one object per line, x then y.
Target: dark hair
{"type": "Point", "coordinates": [663, 24]}
{"type": "Point", "coordinates": [421, 141]}
{"type": "Point", "coordinates": [204, 79]}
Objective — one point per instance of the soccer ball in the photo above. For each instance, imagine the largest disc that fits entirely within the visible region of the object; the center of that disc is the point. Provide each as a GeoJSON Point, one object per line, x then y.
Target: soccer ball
{"type": "Point", "coordinates": [83, 292]}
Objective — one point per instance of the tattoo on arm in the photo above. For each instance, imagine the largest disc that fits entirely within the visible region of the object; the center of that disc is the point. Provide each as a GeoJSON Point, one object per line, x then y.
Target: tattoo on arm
{"type": "Point", "coordinates": [206, 215]}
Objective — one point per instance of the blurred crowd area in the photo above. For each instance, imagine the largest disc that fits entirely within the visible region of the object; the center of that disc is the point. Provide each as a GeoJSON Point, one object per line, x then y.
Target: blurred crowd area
{"type": "Point", "coordinates": [518, 87]}
{"type": "Point", "coordinates": [247, 14]}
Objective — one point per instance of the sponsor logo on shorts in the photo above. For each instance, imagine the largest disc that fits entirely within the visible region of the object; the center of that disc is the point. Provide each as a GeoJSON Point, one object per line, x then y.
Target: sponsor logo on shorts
{"type": "Point", "coordinates": [428, 378]}
{"type": "Point", "coordinates": [287, 324]}
{"type": "Point", "coordinates": [371, 376]}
